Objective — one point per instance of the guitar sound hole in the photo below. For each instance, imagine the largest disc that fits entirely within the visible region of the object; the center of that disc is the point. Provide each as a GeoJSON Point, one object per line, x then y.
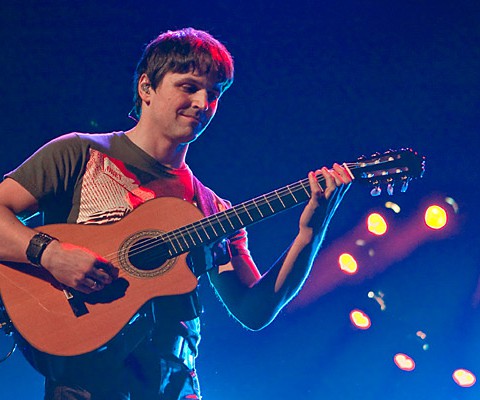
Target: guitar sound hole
{"type": "Point", "coordinates": [145, 257]}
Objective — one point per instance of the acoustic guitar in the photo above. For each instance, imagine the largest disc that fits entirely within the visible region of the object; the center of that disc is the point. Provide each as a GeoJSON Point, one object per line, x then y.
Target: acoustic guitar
{"type": "Point", "coordinates": [150, 247]}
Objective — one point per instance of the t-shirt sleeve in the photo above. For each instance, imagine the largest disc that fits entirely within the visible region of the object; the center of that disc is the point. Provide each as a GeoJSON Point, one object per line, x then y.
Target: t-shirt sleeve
{"type": "Point", "coordinates": [53, 169]}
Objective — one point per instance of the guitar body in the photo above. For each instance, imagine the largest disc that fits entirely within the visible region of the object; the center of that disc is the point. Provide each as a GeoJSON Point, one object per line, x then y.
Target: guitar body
{"type": "Point", "coordinates": [52, 322]}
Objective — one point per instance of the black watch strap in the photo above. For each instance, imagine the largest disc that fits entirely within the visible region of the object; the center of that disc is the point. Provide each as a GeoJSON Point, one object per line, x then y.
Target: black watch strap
{"type": "Point", "coordinates": [37, 246]}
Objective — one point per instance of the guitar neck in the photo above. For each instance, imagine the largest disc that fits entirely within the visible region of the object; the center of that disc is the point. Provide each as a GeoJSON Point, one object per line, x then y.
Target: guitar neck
{"type": "Point", "coordinates": [389, 167]}
{"type": "Point", "coordinates": [224, 223]}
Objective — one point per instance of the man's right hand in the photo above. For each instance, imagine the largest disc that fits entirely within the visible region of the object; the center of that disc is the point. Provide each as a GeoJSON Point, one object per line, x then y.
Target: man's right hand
{"type": "Point", "coordinates": [77, 267]}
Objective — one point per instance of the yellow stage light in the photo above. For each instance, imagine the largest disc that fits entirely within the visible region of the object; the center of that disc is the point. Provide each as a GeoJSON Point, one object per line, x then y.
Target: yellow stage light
{"type": "Point", "coordinates": [435, 217]}
{"type": "Point", "coordinates": [360, 320]}
{"type": "Point", "coordinates": [376, 224]}
{"type": "Point", "coordinates": [347, 263]}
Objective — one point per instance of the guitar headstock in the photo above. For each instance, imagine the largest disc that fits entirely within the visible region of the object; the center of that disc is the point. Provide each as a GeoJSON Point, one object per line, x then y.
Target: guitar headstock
{"type": "Point", "coordinates": [389, 168]}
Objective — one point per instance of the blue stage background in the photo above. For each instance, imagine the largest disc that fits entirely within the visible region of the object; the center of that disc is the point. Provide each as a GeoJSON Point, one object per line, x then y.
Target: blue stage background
{"type": "Point", "coordinates": [316, 82]}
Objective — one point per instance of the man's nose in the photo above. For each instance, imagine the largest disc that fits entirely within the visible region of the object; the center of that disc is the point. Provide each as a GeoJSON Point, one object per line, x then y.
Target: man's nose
{"type": "Point", "coordinates": [201, 100]}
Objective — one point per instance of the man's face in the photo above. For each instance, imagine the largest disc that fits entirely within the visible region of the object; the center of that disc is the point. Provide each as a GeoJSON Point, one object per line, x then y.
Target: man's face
{"type": "Point", "coordinates": [182, 105]}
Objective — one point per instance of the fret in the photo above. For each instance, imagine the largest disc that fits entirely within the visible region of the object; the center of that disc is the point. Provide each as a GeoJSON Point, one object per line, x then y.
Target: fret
{"type": "Point", "coordinates": [258, 208]}
{"type": "Point", "coordinates": [266, 199]}
{"type": "Point", "coordinates": [278, 202]}
{"type": "Point", "coordinates": [291, 193]}
{"type": "Point", "coordinates": [185, 241]}
{"type": "Point", "coordinates": [279, 198]}
{"type": "Point", "coordinates": [187, 231]}
{"type": "Point", "coordinates": [186, 237]}
{"type": "Point", "coordinates": [265, 208]}
{"type": "Point", "coordinates": [172, 245]}
{"type": "Point", "coordinates": [246, 210]}
{"type": "Point", "coordinates": [304, 187]}
{"type": "Point", "coordinates": [234, 219]}
{"type": "Point", "coordinates": [202, 225]}
{"type": "Point", "coordinates": [166, 245]}
{"type": "Point", "coordinates": [229, 221]}
{"type": "Point", "coordinates": [160, 242]}
{"type": "Point", "coordinates": [169, 249]}
{"type": "Point", "coordinates": [178, 243]}
{"type": "Point", "coordinates": [219, 223]}
{"type": "Point", "coordinates": [199, 237]}
{"type": "Point", "coordinates": [253, 211]}
{"type": "Point", "coordinates": [234, 209]}
{"type": "Point", "coordinates": [215, 234]}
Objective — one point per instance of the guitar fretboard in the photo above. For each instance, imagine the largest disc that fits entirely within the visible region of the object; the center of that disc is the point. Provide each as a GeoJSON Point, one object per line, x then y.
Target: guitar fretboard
{"type": "Point", "coordinates": [387, 168]}
{"type": "Point", "coordinates": [222, 224]}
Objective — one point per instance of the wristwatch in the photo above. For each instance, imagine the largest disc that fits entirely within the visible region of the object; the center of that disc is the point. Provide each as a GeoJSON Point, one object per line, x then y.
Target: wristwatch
{"type": "Point", "coordinates": [37, 246]}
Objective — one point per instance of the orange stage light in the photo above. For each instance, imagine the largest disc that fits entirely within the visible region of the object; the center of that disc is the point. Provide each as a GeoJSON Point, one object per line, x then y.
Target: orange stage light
{"type": "Point", "coordinates": [464, 378]}
{"type": "Point", "coordinates": [404, 362]}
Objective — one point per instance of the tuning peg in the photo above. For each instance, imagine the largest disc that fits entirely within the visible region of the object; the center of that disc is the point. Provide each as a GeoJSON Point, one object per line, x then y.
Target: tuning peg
{"type": "Point", "coordinates": [390, 189]}
{"type": "Point", "coordinates": [376, 191]}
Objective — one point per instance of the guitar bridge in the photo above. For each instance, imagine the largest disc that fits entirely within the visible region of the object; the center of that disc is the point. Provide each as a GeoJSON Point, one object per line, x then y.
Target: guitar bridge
{"type": "Point", "coordinates": [76, 303]}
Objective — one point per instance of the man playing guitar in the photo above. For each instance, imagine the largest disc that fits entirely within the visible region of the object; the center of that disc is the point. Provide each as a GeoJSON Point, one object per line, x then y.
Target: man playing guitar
{"type": "Point", "coordinates": [98, 179]}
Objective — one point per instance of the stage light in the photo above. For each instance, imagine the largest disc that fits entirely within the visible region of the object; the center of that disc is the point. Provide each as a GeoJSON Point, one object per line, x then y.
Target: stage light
{"type": "Point", "coordinates": [422, 336]}
{"type": "Point", "coordinates": [435, 217]}
{"type": "Point", "coordinates": [404, 362]}
{"type": "Point", "coordinates": [376, 224]}
{"type": "Point", "coordinates": [393, 206]}
{"type": "Point", "coordinates": [347, 263]}
{"type": "Point", "coordinates": [464, 378]}
{"type": "Point", "coordinates": [360, 320]}
{"type": "Point", "coordinates": [378, 297]}
{"type": "Point", "coordinates": [452, 203]}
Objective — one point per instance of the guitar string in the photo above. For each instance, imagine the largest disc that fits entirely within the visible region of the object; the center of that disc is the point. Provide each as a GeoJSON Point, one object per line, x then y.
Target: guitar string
{"type": "Point", "coordinates": [191, 229]}
{"type": "Point", "coordinates": [224, 217]}
{"type": "Point", "coordinates": [169, 237]}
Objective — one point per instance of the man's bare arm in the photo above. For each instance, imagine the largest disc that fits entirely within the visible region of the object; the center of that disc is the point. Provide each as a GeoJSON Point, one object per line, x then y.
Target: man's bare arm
{"type": "Point", "coordinates": [71, 265]}
{"type": "Point", "coordinates": [255, 300]}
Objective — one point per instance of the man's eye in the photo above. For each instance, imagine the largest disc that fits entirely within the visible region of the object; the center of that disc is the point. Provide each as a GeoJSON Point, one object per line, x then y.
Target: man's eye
{"type": "Point", "coordinates": [189, 88]}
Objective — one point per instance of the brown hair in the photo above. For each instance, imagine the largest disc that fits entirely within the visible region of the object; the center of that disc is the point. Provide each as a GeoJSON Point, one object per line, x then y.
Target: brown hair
{"type": "Point", "coordinates": [182, 51]}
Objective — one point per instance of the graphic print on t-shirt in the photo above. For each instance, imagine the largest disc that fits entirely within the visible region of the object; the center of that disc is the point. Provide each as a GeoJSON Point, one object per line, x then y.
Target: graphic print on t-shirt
{"type": "Point", "coordinates": [109, 190]}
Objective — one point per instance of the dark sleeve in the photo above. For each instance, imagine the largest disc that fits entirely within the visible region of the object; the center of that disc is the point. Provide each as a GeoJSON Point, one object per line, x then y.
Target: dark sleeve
{"type": "Point", "coordinates": [52, 172]}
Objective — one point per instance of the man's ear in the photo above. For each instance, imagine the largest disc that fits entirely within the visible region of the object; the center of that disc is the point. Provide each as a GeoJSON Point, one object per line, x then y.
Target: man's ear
{"type": "Point", "coordinates": [143, 88]}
